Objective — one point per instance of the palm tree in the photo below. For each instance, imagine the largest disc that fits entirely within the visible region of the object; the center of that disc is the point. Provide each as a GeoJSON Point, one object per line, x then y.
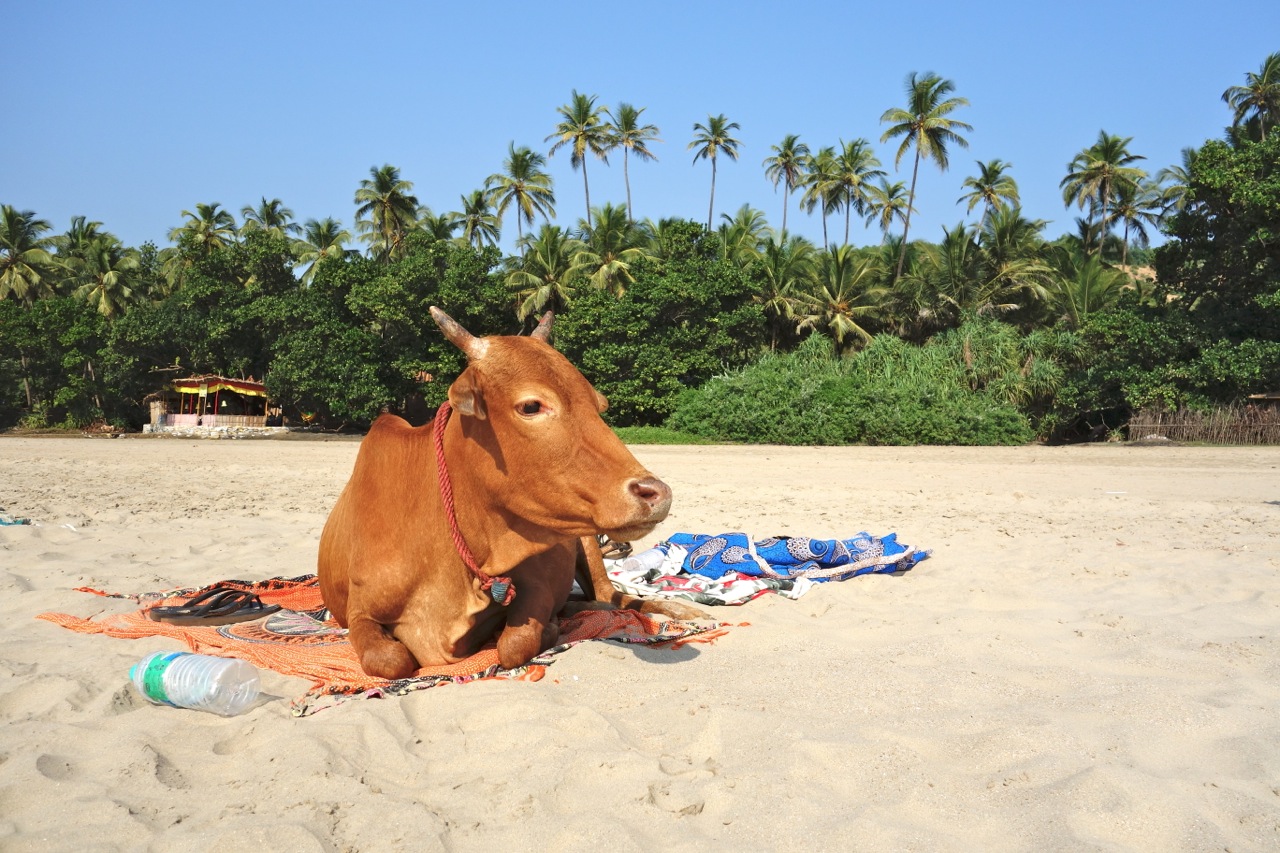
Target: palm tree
{"type": "Point", "coordinates": [886, 203]}
{"type": "Point", "coordinates": [1096, 173]}
{"type": "Point", "coordinates": [207, 230]}
{"type": "Point", "coordinates": [480, 225]}
{"type": "Point", "coordinates": [855, 166]}
{"type": "Point", "coordinates": [1137, 206]}
{"type": "Point", "coordinates": [786, 166]}
{"type": "Point", "coordinates": [1014, 274]}
{"type": "Point", "coordinates": [610, 245]}
{"type": "Point", "coordinates": [991, 187]}
{"type": "Point", "coordinates": [321, 238]}
{"type": "Point", "coordinates": [391, 209]}
{"type": "Point", "coordinates": [626, 132]}
{"type": "Point", "coordinates": [786, 269]}
{"type": "Point", "coordinates": [709, 141]}
{"type": "Point", "coordinates": [820, 186]}
{"type": "Point", "coordinates": [543, 279]}
{"type": "Point", "coordinates": [440, 227]}
{"type": "Point", "coordinates": [523, 185]}
{"type": "Point", "coordinates": [742, 235]}
{"type": "Point", "coordinates": [27, 269]}
{"type": "Point", "coordinates": [1175, 183]}
{"type": "Point", "coordinates": [75, 243]}
{"type": "Point", "coordinates": [843, 299]}
{"type": "Point", "coordinates": [1257, 103]}
{"type": "Point", "coordinates": [1083, 285]}
{"type": "Point", "coordinates": [270, 216]}
{"type": "Point", "coordinates": [105, 277]}
{"type": "Point", "coordinates": [582, 128]}
{"type": "Point", "coordinates": [924, 124]}
{"type": "Point", "coordinates": [995, 268]}
{"type": "Point", "coordinates": [667, 238]}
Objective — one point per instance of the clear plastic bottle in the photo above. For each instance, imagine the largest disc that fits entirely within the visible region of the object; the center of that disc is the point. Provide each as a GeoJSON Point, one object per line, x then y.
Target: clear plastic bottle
{"type": "Point", "coordinates": [644, 560]}
{"type": "Point", "coordinates": [226, 686]}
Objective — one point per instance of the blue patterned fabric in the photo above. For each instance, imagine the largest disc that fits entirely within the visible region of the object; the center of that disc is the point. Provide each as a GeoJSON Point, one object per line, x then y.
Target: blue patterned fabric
{"type": "Point", "coordinates": [713, 556]}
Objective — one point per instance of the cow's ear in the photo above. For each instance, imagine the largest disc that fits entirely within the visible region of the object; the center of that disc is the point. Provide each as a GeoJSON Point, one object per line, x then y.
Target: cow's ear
{"type": "Point", "coordinates": [465, 396]}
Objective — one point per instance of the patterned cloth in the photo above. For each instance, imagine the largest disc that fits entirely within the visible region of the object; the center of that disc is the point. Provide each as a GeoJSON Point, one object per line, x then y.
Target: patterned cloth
{"type": "Point", "coordinates": [301, 640]}
{"type": "Point", "coordinates": [794, 556]}
{"type": "Point", "coordinates": [730, 568]}
{"type": "Point", "coordinates": [669, 581]}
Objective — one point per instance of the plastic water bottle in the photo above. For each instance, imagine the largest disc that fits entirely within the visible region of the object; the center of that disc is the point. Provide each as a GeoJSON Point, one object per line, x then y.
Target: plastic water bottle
{"type": "Point", "coordinates": [226, 686]}
{"type": "Point", "coordinates": [645, 560]}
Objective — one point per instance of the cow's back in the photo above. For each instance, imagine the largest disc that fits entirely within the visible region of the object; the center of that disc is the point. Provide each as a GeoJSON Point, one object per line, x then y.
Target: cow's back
{"type": "Point", "coordinates": [378, 527]}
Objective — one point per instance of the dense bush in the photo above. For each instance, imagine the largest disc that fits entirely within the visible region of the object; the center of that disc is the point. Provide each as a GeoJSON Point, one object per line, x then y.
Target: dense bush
{"type": "Point", "coordinates": [684, 319]}
{"type": "Point", "coordinates": [890, 393]}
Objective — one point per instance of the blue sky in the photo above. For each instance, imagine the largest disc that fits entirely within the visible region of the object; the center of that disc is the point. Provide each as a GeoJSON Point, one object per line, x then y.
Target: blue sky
{"type": "Point", "coordinates": [129, 113]}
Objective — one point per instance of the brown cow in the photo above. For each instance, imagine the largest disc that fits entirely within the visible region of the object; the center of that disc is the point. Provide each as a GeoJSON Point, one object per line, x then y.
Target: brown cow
{"type": "Point", "coordinates": [535, 476]}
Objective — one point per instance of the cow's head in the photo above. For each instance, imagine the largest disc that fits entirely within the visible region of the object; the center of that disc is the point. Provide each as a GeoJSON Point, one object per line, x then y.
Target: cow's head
{"type": "Point", "coordinates": [548, 456]}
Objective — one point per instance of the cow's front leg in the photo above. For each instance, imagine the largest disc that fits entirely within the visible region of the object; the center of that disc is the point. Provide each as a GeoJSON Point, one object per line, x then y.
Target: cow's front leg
{"type": "Point", "coordinates": [381, 655]}
{"type": "Point", "coordinates": [530, 629]}
{"type": "Point", "coordinates": [593, 577]}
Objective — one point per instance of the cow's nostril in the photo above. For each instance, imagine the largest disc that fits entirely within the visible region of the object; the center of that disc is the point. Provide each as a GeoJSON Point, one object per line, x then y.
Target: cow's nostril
{"type": "Point", "coordinates": [652, 491]}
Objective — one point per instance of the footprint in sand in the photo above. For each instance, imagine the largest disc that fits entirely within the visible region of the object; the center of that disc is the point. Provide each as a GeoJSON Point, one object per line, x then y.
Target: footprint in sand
{"type": "Point", "coordinates": [54, 767]}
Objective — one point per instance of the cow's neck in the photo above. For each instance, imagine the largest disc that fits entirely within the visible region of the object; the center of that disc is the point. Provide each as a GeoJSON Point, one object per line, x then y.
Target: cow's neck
{"type": "Point", "coordinates": [498, 540]}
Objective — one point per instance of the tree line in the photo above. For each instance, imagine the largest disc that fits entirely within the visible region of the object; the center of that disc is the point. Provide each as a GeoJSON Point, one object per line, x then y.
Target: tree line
{"type": "Point", "coordinates": [90, 326]}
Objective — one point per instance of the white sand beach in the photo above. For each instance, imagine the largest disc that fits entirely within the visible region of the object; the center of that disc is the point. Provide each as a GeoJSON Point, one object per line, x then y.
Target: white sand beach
{"type": "Point", "coordinates": [1089, 661]}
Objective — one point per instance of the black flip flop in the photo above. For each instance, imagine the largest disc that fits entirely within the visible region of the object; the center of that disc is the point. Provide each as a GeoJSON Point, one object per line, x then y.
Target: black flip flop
{"type": "Point", "coordinates": [217, 606]}
{"type": "Point", "coordinates": [612, 550]}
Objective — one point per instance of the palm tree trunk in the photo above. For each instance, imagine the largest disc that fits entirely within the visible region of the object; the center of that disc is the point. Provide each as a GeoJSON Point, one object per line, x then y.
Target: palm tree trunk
{"type": "Point", "coordinates": [1102, 226]}
{"type": "Point", "coordinates": [97, 401]}
{"type": "Point", "coordinates": [26, 381]}
{"type": "Point", "coordinates": [586, 189]}
{"type": "Point", "coordinates": [712, 206]}
{"type": "Point", "coordinates": [786, 197]}
{"type": "Point", "coordinates": [906, 224]}
{"type": "Point", "coordinates": [848, 208]}
{"type": "Point", "coordinates": [626, 178]}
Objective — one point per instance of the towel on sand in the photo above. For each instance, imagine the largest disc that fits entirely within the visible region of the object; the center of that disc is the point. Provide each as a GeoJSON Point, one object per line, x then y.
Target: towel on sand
{"type": "Point", "coordinates": [301, 640]}
{"type": "Point", "coordinates": [794, 556]}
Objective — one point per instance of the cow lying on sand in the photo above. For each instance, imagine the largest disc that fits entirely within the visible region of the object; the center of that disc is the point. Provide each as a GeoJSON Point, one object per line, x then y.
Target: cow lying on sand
{"type": "Point", "coordinates": [418, 557]}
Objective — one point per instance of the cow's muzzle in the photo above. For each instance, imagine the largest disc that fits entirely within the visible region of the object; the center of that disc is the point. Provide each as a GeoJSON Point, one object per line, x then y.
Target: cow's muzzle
{"type": "Point", "coordinates": [647, 502]}
{"type": "Point", "coordinates": [655, 494]}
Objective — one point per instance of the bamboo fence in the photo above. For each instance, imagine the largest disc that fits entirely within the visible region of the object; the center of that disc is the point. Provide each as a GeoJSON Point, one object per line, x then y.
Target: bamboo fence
{"type": "Point", "coordinates": [1247, 424]}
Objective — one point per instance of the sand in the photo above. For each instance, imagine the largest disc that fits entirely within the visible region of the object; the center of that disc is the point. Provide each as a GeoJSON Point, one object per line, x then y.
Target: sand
{"type": "Point", "coordinates": [1088, 661]}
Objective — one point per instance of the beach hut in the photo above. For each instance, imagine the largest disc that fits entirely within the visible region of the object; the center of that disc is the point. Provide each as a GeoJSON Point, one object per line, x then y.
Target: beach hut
{"type": "Point", "coordinates": [214, 401]}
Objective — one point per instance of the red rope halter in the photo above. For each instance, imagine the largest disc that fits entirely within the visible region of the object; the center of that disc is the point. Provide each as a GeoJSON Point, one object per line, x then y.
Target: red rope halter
{"type": "Point", "coordinates": [499, 588]}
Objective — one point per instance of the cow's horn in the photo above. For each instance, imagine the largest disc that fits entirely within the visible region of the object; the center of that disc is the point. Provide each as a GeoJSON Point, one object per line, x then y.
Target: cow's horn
{"type": "Point", "coordinates": [543, 332]}
{"type": "Point", "coordinates": [473, 347]}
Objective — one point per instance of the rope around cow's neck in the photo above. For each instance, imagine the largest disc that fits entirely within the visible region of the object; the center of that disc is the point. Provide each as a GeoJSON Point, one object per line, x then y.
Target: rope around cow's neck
{"type": "Point", "coordinates": [499, 588]}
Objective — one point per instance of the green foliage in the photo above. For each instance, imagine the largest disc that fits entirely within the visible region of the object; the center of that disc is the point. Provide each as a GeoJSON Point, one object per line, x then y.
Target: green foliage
{"type": "Point", "coordinates": [1224, 260]}
{"type": "Point", "coordinates": [890, 393]}
{"type": "Point", "coordinates": [353, 343]}
{"type": "Point", "coordinates": [1132, 353]}
{"type": "Point", "coordinates": [1009, 334]}
{"type": "Point", "coordinates": [682, 321]}
{"type": "Point", "coordinates": [1213, 335]}
{"type": "Point", "coordinates": [51, 353]}
{"type": "Point", "coordinates": [658, 435]}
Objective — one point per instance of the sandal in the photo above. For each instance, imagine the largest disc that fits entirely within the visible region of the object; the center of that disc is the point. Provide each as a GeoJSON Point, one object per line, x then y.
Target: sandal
{"type": "Point", "coordinates": [216, 606]}
{"type": "Point", "coordinates": [611, 550]}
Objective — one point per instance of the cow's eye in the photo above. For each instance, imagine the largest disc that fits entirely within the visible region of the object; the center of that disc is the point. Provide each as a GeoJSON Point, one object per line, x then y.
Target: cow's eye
{"type": "Point", "coordinates": [529, 407]}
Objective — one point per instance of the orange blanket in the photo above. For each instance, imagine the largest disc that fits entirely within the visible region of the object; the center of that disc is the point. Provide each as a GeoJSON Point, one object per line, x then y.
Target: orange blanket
{"type": "Point", "coordinates": [301, 640]}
